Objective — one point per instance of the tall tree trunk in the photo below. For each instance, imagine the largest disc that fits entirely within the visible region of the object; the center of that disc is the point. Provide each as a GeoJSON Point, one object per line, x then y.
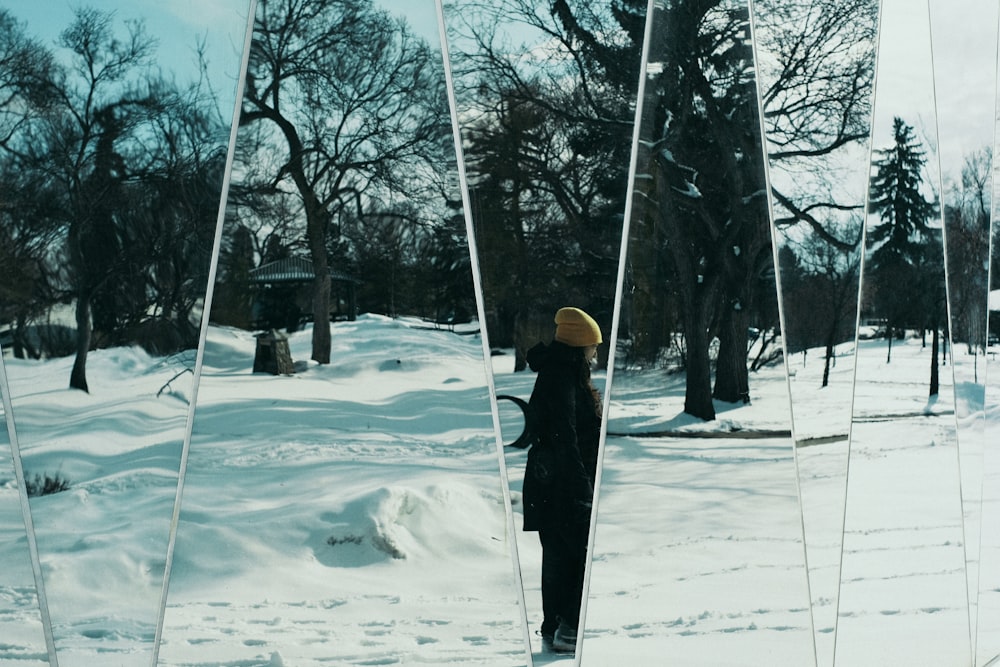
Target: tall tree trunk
{"type": "Point", "coordinates": [826, 363]}
{"type": "Point", "coordinates": [698, 392]}
{"type": "Point", "coordinates": [934, 363]}
{"type": "Point", "coordinates": [732, 383]}
{"type": "Point", "coordinates": [521, 345]}
{"type": "Point", "coordinates": [321, 336]}
{"type": "Point", "coordinates": [831, 339]}
{"type": "Point", "coordinates": [647, 295]}
{"type": "Point", "coordinates": [18, 337]}
{"type": "Point", "coordinates": [78, 376]}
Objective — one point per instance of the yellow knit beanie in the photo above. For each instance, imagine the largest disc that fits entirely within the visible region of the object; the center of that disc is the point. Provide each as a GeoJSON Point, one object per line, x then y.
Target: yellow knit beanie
{"type": "Point", "coordinates": [576, 328]}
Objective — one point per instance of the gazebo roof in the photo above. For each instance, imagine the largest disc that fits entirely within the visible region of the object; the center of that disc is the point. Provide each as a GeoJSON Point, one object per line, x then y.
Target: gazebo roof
{"type": "Point", "coordinates": [293, 270]}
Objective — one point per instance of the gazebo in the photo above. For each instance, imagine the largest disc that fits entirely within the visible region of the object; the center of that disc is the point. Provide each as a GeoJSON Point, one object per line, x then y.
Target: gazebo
{"type": "Point", "coordinates": [290, 282]}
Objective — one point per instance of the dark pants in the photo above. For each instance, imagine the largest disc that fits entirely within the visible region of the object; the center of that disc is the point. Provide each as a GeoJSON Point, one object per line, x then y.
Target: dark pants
{"type": "Point", "coordinates": [564, 560]}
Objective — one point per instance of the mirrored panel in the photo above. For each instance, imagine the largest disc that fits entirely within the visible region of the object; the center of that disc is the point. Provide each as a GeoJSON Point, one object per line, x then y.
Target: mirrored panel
{"type": "Point", "coordinates": [342, 501]}
{"type": "Point", "coordinates": [987, 641]}
{"type": "Point", "coordinates": [20, 615]}
{"type": "Point", "coordinates": [988, 594]}
{"type": "Point", "coordinates": [903, 584]}
{"type": "Point", "coordinates": [699, 552]}
{"type": "Point", "coordinates": [546, 101]}
{"type": "Point", "coordinates": [113, 153]}
{"type": "Point", "coordinates": [964, 43]}
{"type": "Point", "coordinates": [816, 62]}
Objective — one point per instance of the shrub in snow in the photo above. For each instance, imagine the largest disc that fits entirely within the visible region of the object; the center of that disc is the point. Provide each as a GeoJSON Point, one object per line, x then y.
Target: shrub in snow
{"type": "Point", "coordinates": [43, 486]}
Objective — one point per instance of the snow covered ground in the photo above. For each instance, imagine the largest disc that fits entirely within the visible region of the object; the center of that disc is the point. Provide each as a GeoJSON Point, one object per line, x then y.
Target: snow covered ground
{"type": "Point", "coordinates": [102, 541]}
{"type": "Point", "coordinates": [348, 514]}
{"type": "Point", "coordinates": [698, 554]}
{"type": "Point", "coordinates": [903, 595]}
{"type": "Point", "coordinates": [353, 514]}
{"type": "Point", "coordinates": [21, 635]}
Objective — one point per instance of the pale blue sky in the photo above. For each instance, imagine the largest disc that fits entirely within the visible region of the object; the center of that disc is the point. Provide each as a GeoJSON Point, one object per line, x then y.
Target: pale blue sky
{"type": "Point", "coordinates": [177, 25]}
{"type": "Point", "coordinates": [420, 14]}
{"type": "Point", "coordinates": [953, 79]}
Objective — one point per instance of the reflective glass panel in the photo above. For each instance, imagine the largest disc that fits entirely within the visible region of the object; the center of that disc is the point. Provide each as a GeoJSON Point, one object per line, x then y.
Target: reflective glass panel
{"type": "Point", "coordinates": [118, 172]}
{"type": "Point", "coordinates": [903, 584]}
{"type": "Point", "coordinates": [817, 64]}
{"type": "Point", "coordinates": [342, 500]}
{"type": "Point", "coordinates": [698, 553]}
{"type": "Point", "coordinates": [546, 103]}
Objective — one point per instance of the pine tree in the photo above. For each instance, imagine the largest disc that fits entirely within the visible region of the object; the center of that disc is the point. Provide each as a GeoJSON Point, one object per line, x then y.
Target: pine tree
{"type": "Point", "coordinates": [905, 268]}
{"type": "Point", "coordinates": [896, 198]}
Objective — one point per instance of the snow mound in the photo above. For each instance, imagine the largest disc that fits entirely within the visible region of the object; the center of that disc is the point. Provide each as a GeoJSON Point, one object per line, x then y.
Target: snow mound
{"type": "Point", "coordinates": [440, 521]}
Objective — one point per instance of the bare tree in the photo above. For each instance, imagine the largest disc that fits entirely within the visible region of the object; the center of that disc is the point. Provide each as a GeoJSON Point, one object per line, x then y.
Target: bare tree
{"type": "Point", "coordinates": [701, 186]}
{"type": "Point", "coordinates": [354, 104]}
{"type": "Point", "coordinates": [90, 148]}
{"type": "Point", "coordinates": [816, 70]}
{"type": "Point", "coordinates": [26, 69]}
{"type": "Point", "coordinates": [28, 231]}
{"type": "Point", "coordinates": [550, 119]}
{"type": "Point", "coordinates": [124, 170]}
{"type": "Point", "coordinates": [967, 230]}
{"type": "Point", "coordinates": [821, 280]}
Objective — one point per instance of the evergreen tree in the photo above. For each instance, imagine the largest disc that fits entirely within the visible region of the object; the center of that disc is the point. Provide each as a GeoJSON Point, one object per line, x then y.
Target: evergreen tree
{"type": "Point", "coordinates": [896, 198]}
{"type": "Point", "coordinates": [905, 268]}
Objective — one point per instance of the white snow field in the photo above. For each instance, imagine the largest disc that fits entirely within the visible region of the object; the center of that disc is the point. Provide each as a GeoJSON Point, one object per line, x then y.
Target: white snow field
{"type": "Point", "coordinates": [102, 542]}
{"type": "Point", "coordinates": [698, 555]}
{"type": "Point", "coordinates": [21, 634]}
{"type": "Point", "coordinates": [903, 592]}
{"type": "Point", "coordinates": [352, 514]}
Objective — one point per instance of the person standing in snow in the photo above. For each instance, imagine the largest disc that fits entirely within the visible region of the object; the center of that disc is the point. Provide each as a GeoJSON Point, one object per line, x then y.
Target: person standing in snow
{"type": "Point", "coordinates": [565, 411]}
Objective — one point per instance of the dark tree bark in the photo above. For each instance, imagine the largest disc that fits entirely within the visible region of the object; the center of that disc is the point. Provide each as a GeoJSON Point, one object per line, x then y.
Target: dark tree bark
{"type": "Point", "coordinates": [698, 380]}
{"type": "Point", "coordinates": [732, 382]}
{"type": "Point", "coordinates": [935, 384]}
{"type": "Point", "coordinates": [356, 104]}
{"type": "Point", "coordinates": [702, 150]}
{"type": "Point", "coordinates": [78, 376]}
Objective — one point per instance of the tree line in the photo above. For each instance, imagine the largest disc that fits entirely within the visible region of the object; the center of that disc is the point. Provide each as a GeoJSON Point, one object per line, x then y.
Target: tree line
{"type": "Point", "coordinates": [546, 94]}
{"type": "Point", "coordinates": [111, 176]}
{"type": "Point", "coordinates": [344, 156]}
{"type": "Point", "coordinates": [113, 173]}
{"type": "Point", "coordinates": [701, 224]}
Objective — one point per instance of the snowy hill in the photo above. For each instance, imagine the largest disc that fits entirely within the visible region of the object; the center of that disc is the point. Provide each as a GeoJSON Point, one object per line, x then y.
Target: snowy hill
{"type": "Point", "coordinates": [353, 513]}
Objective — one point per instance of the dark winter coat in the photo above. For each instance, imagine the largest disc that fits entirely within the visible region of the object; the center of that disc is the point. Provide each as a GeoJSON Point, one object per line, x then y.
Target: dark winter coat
{"type": "Point", "coordinates": [562, 463]}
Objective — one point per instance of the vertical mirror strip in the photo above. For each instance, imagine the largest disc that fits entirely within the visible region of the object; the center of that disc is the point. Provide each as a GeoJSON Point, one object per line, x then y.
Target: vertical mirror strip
{"type": "Point", "coordinates": [212, 273]}
{"type": "Point", "coordinates": [987, 639]}
{"type": "Point", "coordinates": [903, 590]}
{"type": "Point", "coordinates": [546, 99]}
{"type": "Point", "coordinates": [699, 458]}
{"type": "Point", "coordinates": [816, 65]}
{"type": "Point", "coordinates": [24, 615]}
{"type": "Point", "coordinates": [964, 46]}
{"type": "Point", "coordinates": [343, 497]}
{"type": "Point", "coordinates": [512, 528]}
{"type": "Point", "coordinates": [616, 320]}
{"type": "Point", "coordinates": [119, 163]}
